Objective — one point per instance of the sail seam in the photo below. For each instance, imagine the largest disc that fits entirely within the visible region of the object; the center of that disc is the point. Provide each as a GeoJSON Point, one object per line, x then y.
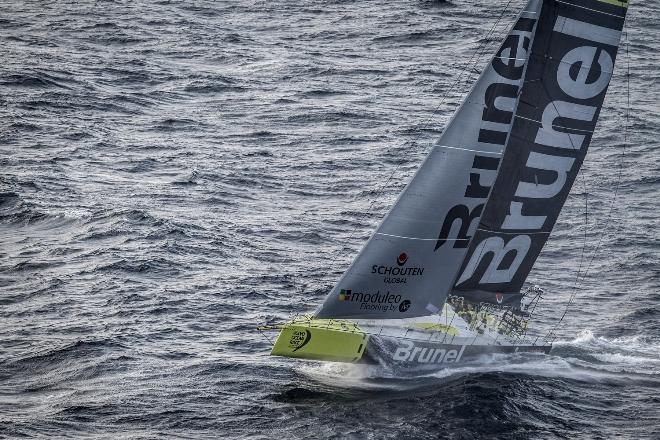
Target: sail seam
{"type": "Point", "coordinates": [610, 72]}
{"type": "Point", "coordinates": [514, 233]}
{"type": "Point", "coordinates": [423, 239]}
{"type": "Point", "coordinates": [555, 125]}
{"type": "Point", "coordinates": [467, 149]}
{"type": "Point", "coordinates": [510, 58]}
{"type": "Point", "coordinates": [592, 10]}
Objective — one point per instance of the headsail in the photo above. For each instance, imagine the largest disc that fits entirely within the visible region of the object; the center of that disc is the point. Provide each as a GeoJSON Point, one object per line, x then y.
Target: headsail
{"type": "Point", "coordinates": [568, 73]}
{"type": "Point", "coordinates": [408, 266]}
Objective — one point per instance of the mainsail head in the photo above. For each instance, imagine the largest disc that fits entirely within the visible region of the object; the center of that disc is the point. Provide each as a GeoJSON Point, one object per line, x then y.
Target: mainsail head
{"type": "Point", "coordinates": [408, 266]}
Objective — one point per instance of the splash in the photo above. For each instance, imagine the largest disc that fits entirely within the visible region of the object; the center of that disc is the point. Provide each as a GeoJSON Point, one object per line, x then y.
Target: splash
{"type": "Point", "coordinates": [349, 376]}
{"type": "Point", "coordinates": [585, 358]}
{"type": "Point", "coordinates": [636, 355]}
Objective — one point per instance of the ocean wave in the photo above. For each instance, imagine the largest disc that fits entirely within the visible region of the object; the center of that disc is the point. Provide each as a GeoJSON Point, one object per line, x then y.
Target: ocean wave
{"type": "Point", "coordinates": [172, 175]}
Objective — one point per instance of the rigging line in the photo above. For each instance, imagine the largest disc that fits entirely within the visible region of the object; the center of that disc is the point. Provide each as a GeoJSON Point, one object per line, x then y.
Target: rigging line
{"type": "Point", "coordinates": [479, 52]}
{"type": "Point", "coordinates": [580, 174]}
{"type": "Point", "coordinates": [484, 49]}
{"type": "Point", "coordinates": [450, 324]}
{"type": "Point", "coordinates": [586, 192]}
{"type": "Point", "coordinates": [614, 196]}
{"type": "Point", "coordinates": [270, 341]}
{"type": "Point", "coordinates": [458, 80]}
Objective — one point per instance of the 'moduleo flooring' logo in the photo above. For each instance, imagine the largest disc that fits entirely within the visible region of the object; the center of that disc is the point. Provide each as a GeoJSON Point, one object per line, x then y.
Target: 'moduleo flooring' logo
{"type": "Point", "coordinates": [375, 301]}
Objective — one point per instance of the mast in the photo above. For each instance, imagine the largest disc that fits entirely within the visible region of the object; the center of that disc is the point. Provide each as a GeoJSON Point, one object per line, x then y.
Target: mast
{"type": "Point", "coordinates": [408, 266]}
{"type": "Point", "coordinates": [569, 69]}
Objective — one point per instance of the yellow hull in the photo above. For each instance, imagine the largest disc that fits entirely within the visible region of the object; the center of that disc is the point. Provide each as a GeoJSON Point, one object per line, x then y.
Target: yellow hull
{"type": "Point", "coordinates": [420, 344]}
{"type": "Point", "coordinates": [321, 339]}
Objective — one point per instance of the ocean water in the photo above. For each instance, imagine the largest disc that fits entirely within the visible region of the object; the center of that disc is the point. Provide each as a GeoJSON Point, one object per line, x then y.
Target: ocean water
{"type": "Point", "coordinates": [176, 173]}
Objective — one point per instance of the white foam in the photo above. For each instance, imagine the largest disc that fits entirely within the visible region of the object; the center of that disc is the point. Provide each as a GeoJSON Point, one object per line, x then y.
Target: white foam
{"type": "Point", "coordinates": [585, 358]}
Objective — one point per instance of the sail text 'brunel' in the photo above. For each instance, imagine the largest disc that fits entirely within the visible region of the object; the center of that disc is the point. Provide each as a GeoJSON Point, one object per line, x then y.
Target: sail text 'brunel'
{"type": "Point", "coordinates": [452, 184]}
{"type": "Point", "coordinates": [509, 64]}
{"type": "Point", "coordinates": [556, 116]}
{"type": "Point", "coordinates": [477, 213]}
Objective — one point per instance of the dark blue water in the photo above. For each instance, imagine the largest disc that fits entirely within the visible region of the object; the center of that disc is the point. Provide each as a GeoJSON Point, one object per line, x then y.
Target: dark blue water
{"type": "Point", "coordinates": [174, 174]}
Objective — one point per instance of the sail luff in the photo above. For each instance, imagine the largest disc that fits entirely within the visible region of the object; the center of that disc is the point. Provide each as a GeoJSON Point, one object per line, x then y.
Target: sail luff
{"type": "Point", "coordinates": [569, 70]}
{"type": "Point", "coordinates": [408, 266]}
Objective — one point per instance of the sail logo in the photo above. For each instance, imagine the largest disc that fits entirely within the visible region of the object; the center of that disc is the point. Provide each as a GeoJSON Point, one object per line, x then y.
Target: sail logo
{"type": "Point", "coordinates": [299, 339]}
{"type": "Point", "coordinates": [375, 301]}
{"type": "Point", "coordinates": [547, 145]}
{"type": "Point", "coordinates": [397, 274]}
{"type": "Point", "coordinates": [499, 102]}
{"type": "Point", "coordinates": [409, 352]}
{"type": "Point", "coordinates": [345, 295]}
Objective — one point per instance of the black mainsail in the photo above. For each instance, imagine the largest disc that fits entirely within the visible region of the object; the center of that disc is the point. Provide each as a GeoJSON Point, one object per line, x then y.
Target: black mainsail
{"type": "Point", "coordinates": [474, 218]}
{"type": "Point", "coordinates": [569, 70]}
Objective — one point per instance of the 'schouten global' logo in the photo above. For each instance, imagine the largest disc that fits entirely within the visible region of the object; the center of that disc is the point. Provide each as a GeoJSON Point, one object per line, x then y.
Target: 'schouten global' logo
{"type": "Point", "coordinates": [397, 274]}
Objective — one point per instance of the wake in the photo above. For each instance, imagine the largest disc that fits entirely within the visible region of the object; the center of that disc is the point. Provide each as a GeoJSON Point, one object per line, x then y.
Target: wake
{"type": "Point", "coordinates": [585, 358]}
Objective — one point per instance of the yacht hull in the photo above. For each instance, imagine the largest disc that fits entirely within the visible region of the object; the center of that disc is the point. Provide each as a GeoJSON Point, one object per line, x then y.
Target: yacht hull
{"type": "Point", "coordinates": [416, 353]}
{"type": "Point", "coordinates": [346, 341]}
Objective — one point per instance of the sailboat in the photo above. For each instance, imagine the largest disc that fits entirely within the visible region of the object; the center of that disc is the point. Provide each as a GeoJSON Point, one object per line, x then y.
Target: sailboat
{"type": "Point", "coordinates": [441, 280]}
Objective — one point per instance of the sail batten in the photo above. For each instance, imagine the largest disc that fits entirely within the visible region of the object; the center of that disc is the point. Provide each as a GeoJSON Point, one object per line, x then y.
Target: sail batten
{"type": "Point", "coordinates": [407, 238]}
{"type": "Point", "coordinates": [495, 153]}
